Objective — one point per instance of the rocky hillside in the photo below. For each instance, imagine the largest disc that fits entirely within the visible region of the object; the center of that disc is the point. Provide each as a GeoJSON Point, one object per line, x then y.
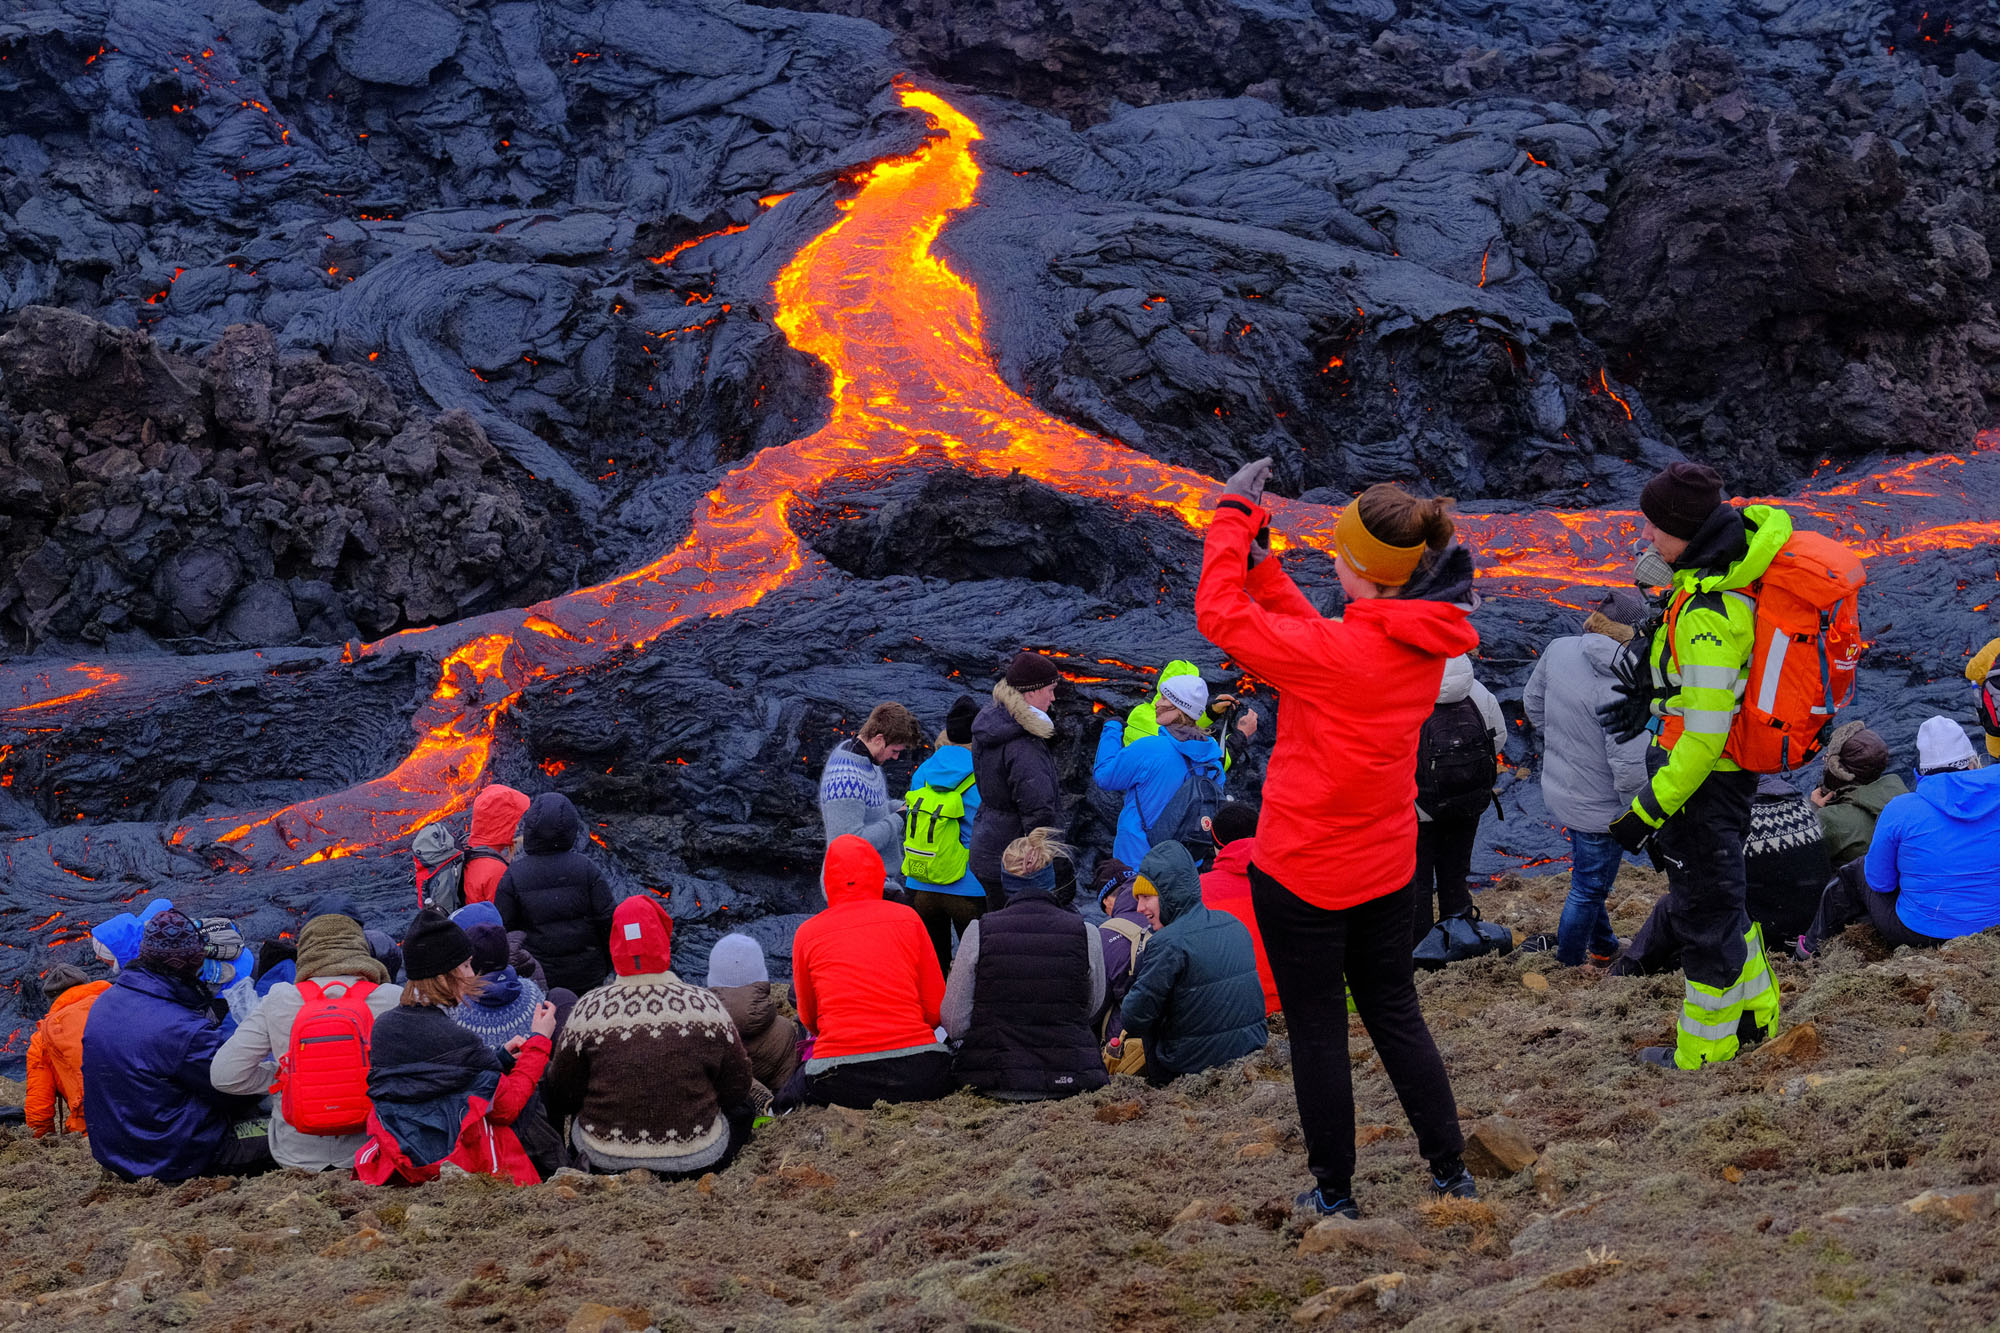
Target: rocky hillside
{"type": "Point", "coordinates": [1845, 1176]}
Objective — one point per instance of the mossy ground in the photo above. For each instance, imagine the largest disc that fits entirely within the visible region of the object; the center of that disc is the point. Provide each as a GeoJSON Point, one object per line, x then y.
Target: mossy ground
{"type": "Point", "coordinates": [1766, 1193]}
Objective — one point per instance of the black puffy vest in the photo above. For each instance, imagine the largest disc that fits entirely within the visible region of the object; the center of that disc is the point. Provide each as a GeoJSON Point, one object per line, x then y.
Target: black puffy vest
{"type": "Point", "coordinates": [1030, 1030]}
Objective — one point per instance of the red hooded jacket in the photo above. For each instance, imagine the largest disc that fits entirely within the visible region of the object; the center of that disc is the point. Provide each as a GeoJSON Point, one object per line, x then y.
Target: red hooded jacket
{"type": "Point", "coordinates": [1226, 888]}
{"type": "Point", "coordinates": [864, 975]}
{"type": "Point", "coordinates": [642, 937]}
{"type": "Point", "coordinates": [1339, 819]}
{"type": "Point", "coordinates": [496, 813]}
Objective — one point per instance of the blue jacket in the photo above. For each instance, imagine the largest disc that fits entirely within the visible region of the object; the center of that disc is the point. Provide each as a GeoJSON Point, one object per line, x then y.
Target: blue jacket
{"type": "Point", "coordinates": [146, 1092]}
{"type": "Point", "coordinates": [1196, 1001]}
{"type": "Point", "coordinates": [1149, 771]}
{"type": "Point", "coordinates": [1933, 847]}
{"type": "Point", "coordinates": [948, 766]}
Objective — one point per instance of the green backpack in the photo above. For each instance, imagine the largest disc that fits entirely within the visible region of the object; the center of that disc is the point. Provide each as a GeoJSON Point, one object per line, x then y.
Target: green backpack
{"type": "Point", "coordinates": [933, 853]}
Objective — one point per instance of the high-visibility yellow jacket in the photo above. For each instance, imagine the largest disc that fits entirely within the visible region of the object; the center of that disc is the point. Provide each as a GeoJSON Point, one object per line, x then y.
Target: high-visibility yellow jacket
{"type": "Point", "coordinates": [1703, 649]}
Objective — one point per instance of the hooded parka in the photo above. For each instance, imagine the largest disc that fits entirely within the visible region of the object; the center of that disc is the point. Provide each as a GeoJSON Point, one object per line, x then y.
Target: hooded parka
{"type": "Point", "coordinates": [1196, 1001]}
{"type": "Point", "coordinates": [558, 898]}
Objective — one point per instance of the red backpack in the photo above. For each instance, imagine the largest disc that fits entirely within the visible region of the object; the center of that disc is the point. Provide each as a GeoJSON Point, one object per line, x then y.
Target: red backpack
{"type": "Point", "coordinates": [1801, 669]}
{"type": "Point", "coordinates": [323, 1079]}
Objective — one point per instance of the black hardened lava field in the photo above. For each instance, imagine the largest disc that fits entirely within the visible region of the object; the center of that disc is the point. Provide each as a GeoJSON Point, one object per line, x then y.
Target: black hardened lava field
{"type": "Point", "coordinates": [620, 397]}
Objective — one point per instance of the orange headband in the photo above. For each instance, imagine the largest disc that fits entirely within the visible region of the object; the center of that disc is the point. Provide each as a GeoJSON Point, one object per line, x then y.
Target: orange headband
{"type": "Point", "coordinates": [1371, 557]}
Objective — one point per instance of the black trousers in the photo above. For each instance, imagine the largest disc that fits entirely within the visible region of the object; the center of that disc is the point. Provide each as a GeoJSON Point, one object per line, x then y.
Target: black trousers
{"type": "Point", "coordinates": [1848, 899]}
{"type": "Point", "coordinates": [1312, 949]}
{"type": "Point", "coordinates": [923, 1076]}
{"type": "Point", "coordinates": [942, 913]}
{"type": "Point", "coordinates": [1444, 863]}
{"type": "Point", "coordinates": [1699, 924]}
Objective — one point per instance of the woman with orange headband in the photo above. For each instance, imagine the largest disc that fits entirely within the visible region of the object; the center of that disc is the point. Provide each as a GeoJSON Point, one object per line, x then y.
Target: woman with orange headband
{"type": "Point", "coordinates": [1337, 836]}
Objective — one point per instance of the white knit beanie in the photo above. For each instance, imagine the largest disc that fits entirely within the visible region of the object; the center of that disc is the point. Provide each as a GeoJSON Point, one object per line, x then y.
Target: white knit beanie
{"type": "Point", "coordinates": [1189, 694]}
{"type": "Point", "coordinates": [736, 960]}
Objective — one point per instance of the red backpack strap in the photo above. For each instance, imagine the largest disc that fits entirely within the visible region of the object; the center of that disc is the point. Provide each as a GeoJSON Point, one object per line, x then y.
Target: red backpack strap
{"type": "Point", "coordinates": [310, 991]}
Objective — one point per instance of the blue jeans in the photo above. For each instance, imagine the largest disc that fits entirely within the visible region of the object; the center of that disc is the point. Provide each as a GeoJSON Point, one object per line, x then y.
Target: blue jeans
{"type": "Point", "coordinates": [1585, 927]}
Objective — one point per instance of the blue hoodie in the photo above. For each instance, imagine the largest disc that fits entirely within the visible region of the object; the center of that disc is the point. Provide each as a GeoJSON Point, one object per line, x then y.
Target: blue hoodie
{"type": "Point", "coordinates": [1149, 771]}
{"type": "Point", "coordinates": [948, 766]}
{"type": "Point", "coordinates": [119, 936]}
{"type": "Point", "coordinates": [1935, 847]}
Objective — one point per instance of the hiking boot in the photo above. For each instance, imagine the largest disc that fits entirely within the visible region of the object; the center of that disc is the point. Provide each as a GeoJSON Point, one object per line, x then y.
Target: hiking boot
{"type": "Point", "coordinates": [1801, 953]}
{"type": "Point", "coordinates": [1317, 1202]}
{"type": "Point", "coordinates": [1451, 1180]}
{"type": "Point", "coordinates": [1537, 944]}
{"type": "Point", "coordinates": [1661, 1056]}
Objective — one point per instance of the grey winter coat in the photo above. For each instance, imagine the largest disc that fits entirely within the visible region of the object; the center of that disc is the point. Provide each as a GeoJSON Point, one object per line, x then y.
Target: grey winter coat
{"type": "Point", "coordinates": [1588, 779]}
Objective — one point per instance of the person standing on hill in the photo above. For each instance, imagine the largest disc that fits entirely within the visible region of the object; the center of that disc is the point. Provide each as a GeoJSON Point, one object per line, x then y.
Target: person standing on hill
{"type": "Point", "coordinates": [1235, 737]}
{"type": "Point", "coordinates": [1857, 787]}
{"type": "Point", "coordinates": [1336, 841]}
{"type": "Point", "coordinates": [1458, 753]}
{"type": "Point", "coordinates": [1152, 770]}
{"type": "Point", "coordinates": [558, 898]}
{"type": "Point", "coordinates": [1697, 802]}
{"type": "Point", "coordinates": [1016, 769]}
{"type": "Point", "coordinates": [854, 794]}
{"type": "Point", "coordinates": [938, 818]}
{"type": "Point", "coordinates": [1980, 671]}
{"type": "Point", "coordinates": [496, 816]}
{"type": "Point", "coordinates": [1588, 779]}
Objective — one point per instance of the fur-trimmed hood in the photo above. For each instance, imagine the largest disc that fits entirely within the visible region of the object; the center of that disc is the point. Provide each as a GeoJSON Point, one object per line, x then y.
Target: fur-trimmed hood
{"type": "Point", "coordinates": [1030, 719]}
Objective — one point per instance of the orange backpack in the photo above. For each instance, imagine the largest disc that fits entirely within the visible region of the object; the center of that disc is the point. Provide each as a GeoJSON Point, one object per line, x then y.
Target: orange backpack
{"type": "Point", "coordinates": [322, 1082]}
{"type": "Point", "coordinates": [1808, 642]}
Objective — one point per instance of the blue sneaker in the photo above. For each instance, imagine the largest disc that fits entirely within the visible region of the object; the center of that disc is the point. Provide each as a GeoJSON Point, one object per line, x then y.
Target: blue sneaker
{"type": "Point", "coordinates": [1451, 1180]}
{"type": "Point", "coordinates": [1317, 1202]}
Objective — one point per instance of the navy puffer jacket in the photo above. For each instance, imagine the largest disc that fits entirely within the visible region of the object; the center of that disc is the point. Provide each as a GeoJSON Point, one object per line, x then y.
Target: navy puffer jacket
{"type": "Point", "coordinates": [1196, 1001]}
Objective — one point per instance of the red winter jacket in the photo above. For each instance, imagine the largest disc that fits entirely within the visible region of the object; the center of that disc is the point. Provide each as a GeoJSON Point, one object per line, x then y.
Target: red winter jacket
{"type": "Point", "coordinates": [864, 975]}
{"type": "Point", "coordinates": [1226, 888]}
{"type": "Point", "coordinates": [487, 1144]}
{"type": "Point", "coordinates": [496, 813]}
{"type": "Point", "coordinates": [1339, 823]}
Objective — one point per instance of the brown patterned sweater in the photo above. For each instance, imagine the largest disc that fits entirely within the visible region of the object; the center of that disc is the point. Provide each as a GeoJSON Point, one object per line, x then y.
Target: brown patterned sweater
{"type": "Point", "coordinates": [647, 1065]}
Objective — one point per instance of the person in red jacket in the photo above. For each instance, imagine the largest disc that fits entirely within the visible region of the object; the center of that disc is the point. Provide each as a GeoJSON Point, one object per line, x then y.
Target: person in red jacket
{"type": "Point", "coordinates": [1337, 835]}
{"type": "Point", "coordinates": [866, 982]}
{"type": "Point", "coordinates": [496, 814]}
{"type": "Point", "coordinates": [55, 1052]}
{"type": "Point", "coordinates": [1226, 888]}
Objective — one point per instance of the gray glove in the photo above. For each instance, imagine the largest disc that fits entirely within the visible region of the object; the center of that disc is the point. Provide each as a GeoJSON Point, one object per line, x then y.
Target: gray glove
{"type": "Point", "coordinates": [1248, 481]}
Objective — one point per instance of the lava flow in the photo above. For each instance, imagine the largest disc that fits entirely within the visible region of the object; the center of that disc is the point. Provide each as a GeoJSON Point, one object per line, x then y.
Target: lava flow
{"type": "Point", "coordinates": [903, 338]}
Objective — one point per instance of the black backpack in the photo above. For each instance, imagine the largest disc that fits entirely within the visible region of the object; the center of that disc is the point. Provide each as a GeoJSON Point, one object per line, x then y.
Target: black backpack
{"type": "Point", "coordinates": [1455, 761]}
{"type": "Point", "coordinates": [1189, 814]}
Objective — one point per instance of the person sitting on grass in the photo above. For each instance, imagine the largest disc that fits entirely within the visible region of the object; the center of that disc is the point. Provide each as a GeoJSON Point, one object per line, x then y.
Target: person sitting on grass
{"type": "Point", "coordinates": [1024, 985]}
{"type": "Point", "coordinates": [650, 1067]}
{"type": "Point", "coordinates": [55, 1052]}
{"type": "Point", "coordinates": [1196, 1002]}
{"type": "Point", "coordinates": [441, 1096]}
{"type": "Point", "coordinates": [1857, 787]}
{"type": "Point", "coordinates": [1931, 873]}
{"type": "Point", "coordinates": [741, 979]}
{"type": "Point", "coordinates": [866, 982]}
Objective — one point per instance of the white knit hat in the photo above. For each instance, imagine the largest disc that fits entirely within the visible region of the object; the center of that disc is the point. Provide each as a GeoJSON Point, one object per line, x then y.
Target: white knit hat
{"type": "Point", "coordinates": [1187, 693]}
{"type": "Point", "coordinates": [1942, 745]}
{"type": "Point", "coordinates": [736, 960]}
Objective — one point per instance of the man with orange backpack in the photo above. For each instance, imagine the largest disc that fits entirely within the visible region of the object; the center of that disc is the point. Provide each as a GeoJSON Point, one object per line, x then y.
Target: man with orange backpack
{"type": "Point", "coordinates": [1755, 655]}
{"type": "Point", "coordinates": [308, 1042]}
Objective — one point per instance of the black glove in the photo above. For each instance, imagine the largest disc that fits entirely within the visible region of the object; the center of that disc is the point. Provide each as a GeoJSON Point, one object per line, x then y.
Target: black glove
{"type": "Point", "coordinates": [1631, 831]}
{"type": "Point", "coordinates": [1630, 711]}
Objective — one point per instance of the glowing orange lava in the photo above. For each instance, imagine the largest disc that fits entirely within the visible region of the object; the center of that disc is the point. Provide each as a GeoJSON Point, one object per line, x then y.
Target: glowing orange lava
{"type": "Point", "coordinates": [903, 338]}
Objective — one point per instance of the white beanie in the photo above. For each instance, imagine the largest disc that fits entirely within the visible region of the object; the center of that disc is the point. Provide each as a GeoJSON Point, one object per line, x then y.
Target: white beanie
{"type": "Point", "coordinates": [736, 960]}
{"type": "Point", "coordinates": [1187, 693]}
{"type": "Point", "coordinates": [1941, 745]}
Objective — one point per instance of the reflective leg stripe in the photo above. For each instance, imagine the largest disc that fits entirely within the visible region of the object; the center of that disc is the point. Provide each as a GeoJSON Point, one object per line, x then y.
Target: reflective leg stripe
{"type": "Point", "coordinates": [1711, 1017]}
{"type": "Point", "coordinates": [1750, 985]}
{"type": "Point", "coordinates": [1774, 667]}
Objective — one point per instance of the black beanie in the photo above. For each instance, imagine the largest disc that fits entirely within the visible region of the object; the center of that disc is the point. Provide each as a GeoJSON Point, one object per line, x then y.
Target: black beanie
{"type": "Point", "coordinates": [433, 946]}
{"type": "Point", "coordinates": [958, 722]}
{"type": "Point", "coordinates": [1234, 821]}
{"type": "Point", "coordinates": [1030, 671]}
{"type": "Point", "coordinates": [1679, 500]}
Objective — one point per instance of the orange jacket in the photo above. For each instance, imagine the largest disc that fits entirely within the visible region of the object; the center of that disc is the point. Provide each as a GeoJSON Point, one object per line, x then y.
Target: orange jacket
{"type": "Point", "coordinates": [864, 975]}
{"type": "Point", "coordinates": [55, 1060]}
{"type": "Point", "coordinates": [496, 813]}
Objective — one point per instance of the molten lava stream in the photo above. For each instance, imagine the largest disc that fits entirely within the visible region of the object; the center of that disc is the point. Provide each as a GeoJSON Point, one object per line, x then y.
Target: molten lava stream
{"type": "Point", "coordinates": [903, 338]}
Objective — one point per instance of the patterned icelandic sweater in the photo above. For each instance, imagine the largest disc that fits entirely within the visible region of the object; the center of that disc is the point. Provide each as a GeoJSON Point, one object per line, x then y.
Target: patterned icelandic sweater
{"type": "Point", "coordinates": [854, 798]}
{"type": "Point", "coordinates": [648, 1065]}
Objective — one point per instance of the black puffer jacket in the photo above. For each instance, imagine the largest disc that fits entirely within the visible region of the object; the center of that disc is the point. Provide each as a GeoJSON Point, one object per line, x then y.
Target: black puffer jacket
{"type": "Point", "coordinates": [557, 897]}
{"type": "Point", "coordinates": [1016, 772]}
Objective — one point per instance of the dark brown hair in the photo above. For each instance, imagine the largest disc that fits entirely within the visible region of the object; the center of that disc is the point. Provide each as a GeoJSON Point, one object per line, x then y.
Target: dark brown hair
{"type": "Point", "coordinates": [894, 724]}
